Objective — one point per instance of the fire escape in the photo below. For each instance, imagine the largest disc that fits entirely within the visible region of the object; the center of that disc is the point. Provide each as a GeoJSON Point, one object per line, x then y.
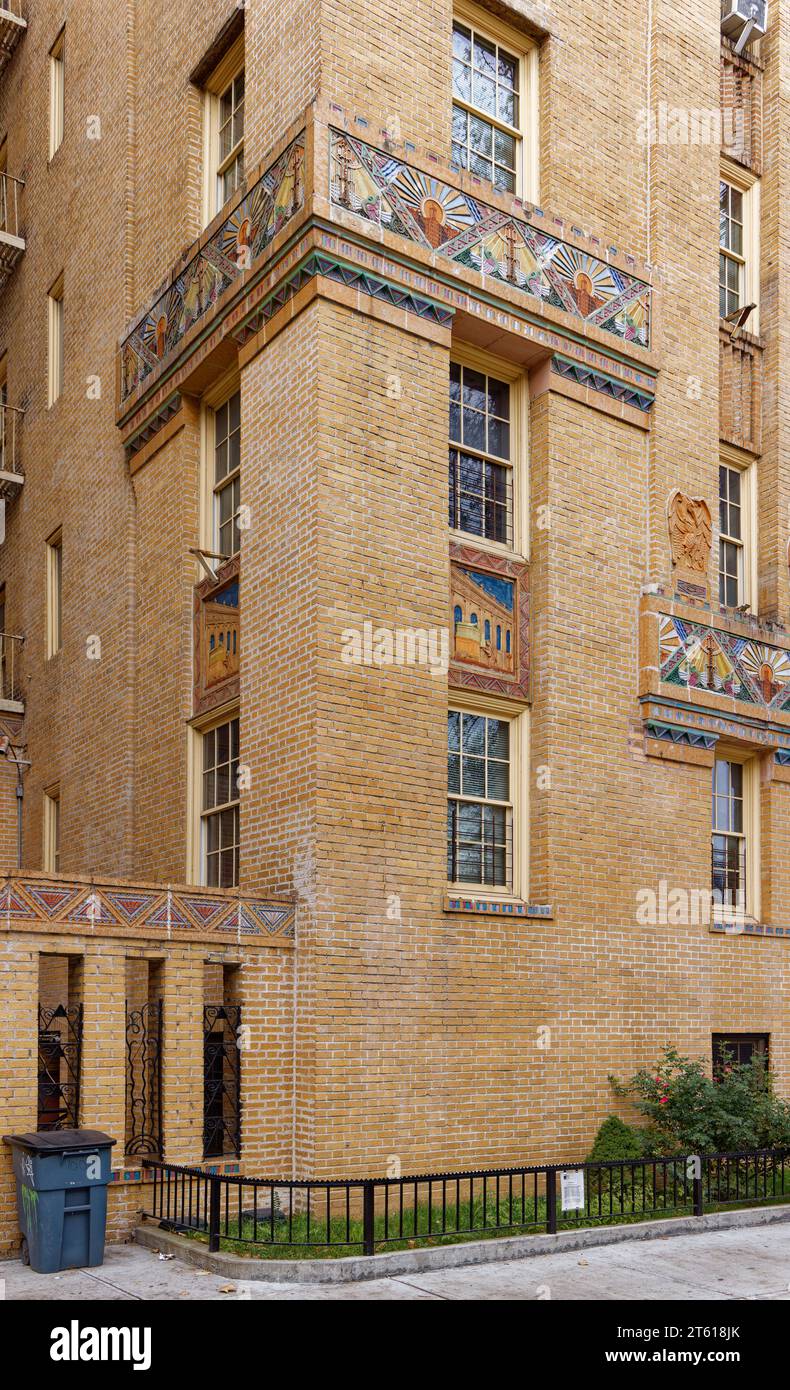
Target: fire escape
{"type": "Point", "coordinates": [12, 247]}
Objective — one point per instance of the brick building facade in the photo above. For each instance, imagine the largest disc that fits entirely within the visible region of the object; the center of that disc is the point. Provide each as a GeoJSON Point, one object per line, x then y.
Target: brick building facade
{"type": "Point", "coordinates": [254, 259]}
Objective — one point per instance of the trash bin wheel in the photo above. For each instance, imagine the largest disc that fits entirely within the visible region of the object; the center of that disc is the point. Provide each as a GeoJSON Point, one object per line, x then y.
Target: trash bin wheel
{"type": "Point", "coordinates": [24, 1252]}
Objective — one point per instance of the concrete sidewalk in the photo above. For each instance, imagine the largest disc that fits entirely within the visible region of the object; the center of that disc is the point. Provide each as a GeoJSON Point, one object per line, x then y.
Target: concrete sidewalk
{"type": "Point", "coordinates": [744, 1263]}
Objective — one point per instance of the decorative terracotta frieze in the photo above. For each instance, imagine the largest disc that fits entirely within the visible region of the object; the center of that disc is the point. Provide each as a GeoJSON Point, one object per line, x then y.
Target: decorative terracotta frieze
{"type": "Point", "coordinates": [468, 232]}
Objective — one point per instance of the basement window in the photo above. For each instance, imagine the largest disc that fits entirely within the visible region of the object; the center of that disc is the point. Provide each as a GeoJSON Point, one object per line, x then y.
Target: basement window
{"type": "Point", "coordinates": [738, 1049]}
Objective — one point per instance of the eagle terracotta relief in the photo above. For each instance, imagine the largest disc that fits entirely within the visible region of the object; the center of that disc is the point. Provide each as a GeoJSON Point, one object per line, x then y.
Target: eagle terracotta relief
{"type": "Point", "coordinates": [690, 531]}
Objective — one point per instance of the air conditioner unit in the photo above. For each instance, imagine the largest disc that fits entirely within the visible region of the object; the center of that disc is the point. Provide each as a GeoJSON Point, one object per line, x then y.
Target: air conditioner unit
{"type": "Point", "coordinates": [743, 21]}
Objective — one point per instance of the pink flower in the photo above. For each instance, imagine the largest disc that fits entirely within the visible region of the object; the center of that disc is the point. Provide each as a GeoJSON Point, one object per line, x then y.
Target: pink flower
{"type": "Point", "coordinates": [663, 1100]}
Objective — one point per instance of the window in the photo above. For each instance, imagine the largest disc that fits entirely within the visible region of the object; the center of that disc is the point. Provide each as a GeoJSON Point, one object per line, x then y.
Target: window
{"type": "Point", "coordinates": [220, 806]}
{"type": "Point", "coordinates": [494, 83]}
{"type": "Point", "coordinates": [55, 364]}
{"type": "Point", "coordinates": [738, 1049]}
{"type": "Point", "coordinates": [731, 529]}
{"type": "Point", "coordinates": [739, 243]}
{"type": "Point", "coordinates": [224, 131]}
{"type": "Point", "coordinates": [56, 92]}
{"type": "Point", "coordinates": [731, 261]}
{"type": "Point", "coordinates": [52, 830]}
{"type": "Point", "coordinates": [227, 476]}
{"type": "Point", "coordinates": [230, 170]}
{"type": "Point", "coordinates": [735, 837]}
{"type": "Point", "coordinates": [482, 448]}
{"type": "Point", "coordinates": [737, 532]}
{"type": "Point", "coordinates": [54, 593]}
{"type": "Point", "coordinates": [486, 822]}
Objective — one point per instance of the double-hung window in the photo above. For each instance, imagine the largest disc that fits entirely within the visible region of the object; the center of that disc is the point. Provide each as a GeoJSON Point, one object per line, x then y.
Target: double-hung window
{"type": "Point", "coordinates": [480, 810]}
{"type": "Point", "coordinates": [731, 249]}
{"type": "Point", "coordinates": [52, 830]}
{"type": "Point", "coordinates": [227, 475]}
{"type": "Point", "coordinates": [731, 537]}
{"type": "Point", "coordinates": [737, 527]}
{"type": "Point", "coordinates": [55, 361]}
{"type": "Point", "coordinates": [220, 806]}
{"type": "Point", "coordinates": [224, 130]}
{"type": "Point", "coordinates": [57, 92]}
{"type": "Point", "coordinates": [739, 243]}
{"type": "Point", "coordinates": [481, 458]}
{"type": "Point", "coordinates": [494, 80]}
{"type": "Point", "coordinates": [230, 154]}
{"type": "Point", "coordinates": [735, 837]}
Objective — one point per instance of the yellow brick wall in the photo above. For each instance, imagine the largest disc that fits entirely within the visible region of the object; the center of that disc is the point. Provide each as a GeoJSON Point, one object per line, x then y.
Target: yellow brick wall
{"type": "Point", "coordinates": [417, 1032]}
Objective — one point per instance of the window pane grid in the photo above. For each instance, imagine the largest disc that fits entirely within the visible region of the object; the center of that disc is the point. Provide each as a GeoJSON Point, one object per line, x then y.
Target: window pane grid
{"type": "Point", "coordinates": [227, 480]}
{"type": "Point", "coordinates": [728, 841]}
{"type": "Point", "coordinates": [485, 107]}
{"type": "Point", "coordinates": [731, 242]}
{"type": "Point", "coordinates": [731, 543]}
{"type": "Point", "coordinates": [479, 809]}
{"type": "Point", "coordinates": [230, 153]}
{"type": "Point", "coordinates": [220, 813]}
{"type": "Point", "coordinates": [480, 486]}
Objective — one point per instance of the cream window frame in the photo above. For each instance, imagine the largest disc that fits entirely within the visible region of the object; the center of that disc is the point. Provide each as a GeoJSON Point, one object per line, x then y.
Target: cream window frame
{"type": "Point", "coordinates": [55, 341]}
{"type": "Point", "coordinates": [467, 356]}
{"type": "Point", "coordinates": [211, 402]}
{"type": "Point", "coordinates": [225, 72]}
{"type": "Point", "coordinates": [195, 858]}
{"type": "Point", "coordinates": [519, 46]}
{"type": "Point", "coordinates": [492, 707]}
{"type": "Point", "coordinates": [747, 467]}
{"type": "Point", "coordinates": [57, 93]}
{"type": "Point", "coordinates": [54, 593]}
{"type": "Point", "coordinates": [749, 186]}
{"type": "Point", "coordinates": [51, 829]}
{"type": "Point", "coordinates": [750, 763]}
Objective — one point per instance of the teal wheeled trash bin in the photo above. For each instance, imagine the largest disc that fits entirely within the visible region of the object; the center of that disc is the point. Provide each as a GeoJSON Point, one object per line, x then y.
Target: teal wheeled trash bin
{"type": "Point", "coordinates": [61, 1191]}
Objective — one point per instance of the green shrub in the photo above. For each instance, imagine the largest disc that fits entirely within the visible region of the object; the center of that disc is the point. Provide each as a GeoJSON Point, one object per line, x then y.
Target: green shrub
{"type": "Point", "coordinates": [616, 1140]}
{"type": "Point", "coordinates": [689, 1112]}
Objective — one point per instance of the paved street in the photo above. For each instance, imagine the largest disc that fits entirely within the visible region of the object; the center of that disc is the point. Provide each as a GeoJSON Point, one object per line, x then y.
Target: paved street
{"type": "Point", "coordinates": [746, 1263]}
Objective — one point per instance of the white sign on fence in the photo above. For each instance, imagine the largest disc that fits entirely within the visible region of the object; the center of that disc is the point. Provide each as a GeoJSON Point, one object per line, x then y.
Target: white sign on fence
{"type": "Point", "coordinates": [572, 1189]}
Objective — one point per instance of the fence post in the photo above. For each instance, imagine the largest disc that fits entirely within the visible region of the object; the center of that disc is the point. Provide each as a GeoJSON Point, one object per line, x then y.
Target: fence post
{"type": "Point", "coordinates": [551, 1201]}
{"type": "Point", "coordinates": [213, 1213]}
{"type": "Point", "coordinates": [368, 1216]}
{"type": "Point", "coordinates": [698, 1203]}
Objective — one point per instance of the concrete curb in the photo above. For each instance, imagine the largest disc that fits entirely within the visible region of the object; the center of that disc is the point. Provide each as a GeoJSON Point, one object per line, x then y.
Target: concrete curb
{"type": "Point", "coordinates": [351, 1268]}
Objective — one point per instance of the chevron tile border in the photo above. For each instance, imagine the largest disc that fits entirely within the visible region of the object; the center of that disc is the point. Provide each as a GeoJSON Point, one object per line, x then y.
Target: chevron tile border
{"type": "Point", "coordinates": [161, 910]}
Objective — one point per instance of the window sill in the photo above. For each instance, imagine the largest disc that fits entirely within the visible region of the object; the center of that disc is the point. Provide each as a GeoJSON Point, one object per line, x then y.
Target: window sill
{"type": "Point", "coordinates": [746, 926]}
{"type": "Point", "coordinates": [481, 543]}
{"type": "Point", "coordinates": [474, 904]}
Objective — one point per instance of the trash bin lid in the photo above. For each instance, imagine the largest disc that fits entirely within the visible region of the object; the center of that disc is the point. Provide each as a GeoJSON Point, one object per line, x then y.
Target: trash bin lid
{"type": "Point", "coordinates": [52, 1141]}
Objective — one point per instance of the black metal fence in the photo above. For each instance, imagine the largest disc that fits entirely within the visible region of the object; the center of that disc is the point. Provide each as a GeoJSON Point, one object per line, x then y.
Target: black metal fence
{"type": "Point", "coordinates": [285, 1217]}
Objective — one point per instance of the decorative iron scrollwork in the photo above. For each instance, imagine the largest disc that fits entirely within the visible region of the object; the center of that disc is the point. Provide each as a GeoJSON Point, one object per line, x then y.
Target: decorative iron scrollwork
{"type": "Point", "coordinates": [144, 1080]}
{"type": "Point", "coordinates": [221, 1080]}
{"type": "Point", "coordinates": [59, 1060]}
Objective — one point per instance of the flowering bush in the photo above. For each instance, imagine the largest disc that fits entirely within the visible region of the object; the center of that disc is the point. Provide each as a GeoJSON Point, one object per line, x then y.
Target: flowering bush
{"type": "Point", "coordinates": [688, 1111]}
